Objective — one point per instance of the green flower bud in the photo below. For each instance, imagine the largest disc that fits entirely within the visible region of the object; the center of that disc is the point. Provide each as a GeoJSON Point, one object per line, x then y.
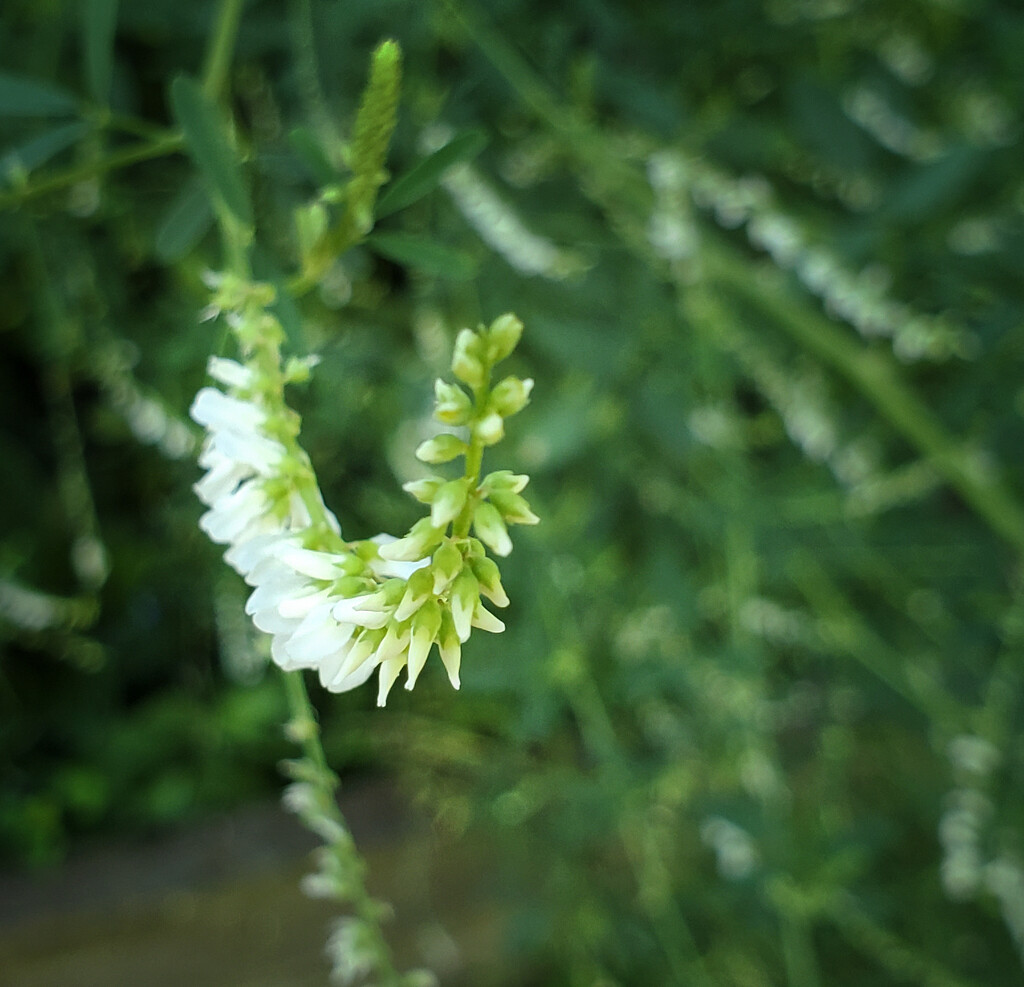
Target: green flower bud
{"type": "Point", "coordinates": [504, 480]}
{"type": "Point", "coordinates": [424, 490]}
{"type": "Point", "coordinates": [489, 578]}
{"type": "Point", "coordinates": [513, 508]}
{"type": "Point", "coordinates": [422, 539]}
{"type": "Point", "coordinates": [450, 646]}
{"type": "Point", "coordinates": [486, 621]}
{"type": "Point", "coordinates": [448, 502]}
{"type": "Point", "coordinates": [445, 565]}
{"type": "Point", "coordinates": [463, 600]}
{"type": "Point", "coordinates": [510, 396]}
{"type": "Point", "coordinates": [490, 429]}
{"type": "Point", "coordinates": [425, 626]}
{"type": "Point", "coordinates": [441, 449]}
{"type": "Point", "coordinates": [395, 641]}
{"type": "Point", "coordinates": [503, 336]}
{"type": "Point", "coordinates": [417, 590]}
{"type": "Point", "coordinates": [349, 586]}
{"type": "Point", "coordinates": [491, 530]}
{"type": "Point", "coordinates": [467, 361]}
{"type": "Point", "coordinates": [452, 405]}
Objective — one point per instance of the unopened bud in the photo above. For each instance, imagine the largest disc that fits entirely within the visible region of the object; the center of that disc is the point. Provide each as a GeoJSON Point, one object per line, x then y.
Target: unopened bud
{"type": "Point", "coordinates": [464, 598]}
{"type": "Point", "coordinates": [503, 336]}
{"type": "Point", "coordinates": [422, 539]}
{"type": "Point", "coordinates": [489, 578]}
{"type": "Point", "coordinates": [491, 530]}
{"type": "Point", "coordinates": [418, 589]}
{"type": "Point", "coordinates": [513, 508]}
{"type": "Point", "coordinates": [452, 405]}
{"type": "Point", "coordinates": [425, 626]}
{"type": "Point", "coordinates": [504, 480]}
{"type": "Point", "coordinates": [424, 490]}
{"type": "Point", "coordinates": [510, 396]}
{"type": "Point", "coordinates": [490, 429]}
{"type": "Point", "coordinates": [445, 564]}
{"type": "Point", "coordinates": [448, 502]}
{"type": "Point", "coordinates": [467, 361]}
{"type": "Point", "coordinates": [441, 449]}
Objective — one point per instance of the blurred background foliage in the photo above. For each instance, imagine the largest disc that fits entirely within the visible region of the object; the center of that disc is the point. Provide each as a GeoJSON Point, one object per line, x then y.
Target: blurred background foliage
{"type": "Point", "coordinates": [756, 716]}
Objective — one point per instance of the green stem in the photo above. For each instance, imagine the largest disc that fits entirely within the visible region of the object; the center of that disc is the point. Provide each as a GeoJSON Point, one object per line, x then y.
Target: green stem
{"type": "Point", "coordinates": [306, 731]}
{"type": "Point", "coordinates": [221, 49]}
{"type": "Point", "coordinates": [92, 169]}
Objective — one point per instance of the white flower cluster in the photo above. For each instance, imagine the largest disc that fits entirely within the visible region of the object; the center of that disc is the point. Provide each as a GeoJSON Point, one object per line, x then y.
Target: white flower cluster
{"type": "Point", "coordinates": [342, 608]}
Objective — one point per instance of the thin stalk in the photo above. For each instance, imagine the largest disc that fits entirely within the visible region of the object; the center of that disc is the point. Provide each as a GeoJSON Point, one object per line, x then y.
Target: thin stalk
{"type": "Point", "coordinates": [221, 49]}
{"type": "Point", "coordinates": [92, 169]}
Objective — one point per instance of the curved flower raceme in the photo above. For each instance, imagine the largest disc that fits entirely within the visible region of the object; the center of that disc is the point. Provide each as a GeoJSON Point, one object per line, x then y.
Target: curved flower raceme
{"type": "Point", "coordinates": [347, 609]}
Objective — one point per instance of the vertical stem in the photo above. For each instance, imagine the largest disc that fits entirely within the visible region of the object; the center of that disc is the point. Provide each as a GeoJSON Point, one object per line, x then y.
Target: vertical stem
{"type": "Point", "coordinates": [222, 46]}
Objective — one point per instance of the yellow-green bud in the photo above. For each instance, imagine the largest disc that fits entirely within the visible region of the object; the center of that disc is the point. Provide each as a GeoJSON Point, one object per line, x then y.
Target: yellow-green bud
{"type": "Point", "coordinates": [510, 396]}
{"type": "Point", "coordinates": [425, 489]}
{"type": "Point", "coordinates": [503, 336]}
{"type": "Point", "coordinates": [418, 589]}
{"type": "Point", "coordinates": [490, 429]}
{"type": "Point", "coordinates": [491, 530]}
{"type": "Point", "coordinates": [467, 360]}
{"type": "Point", "coordinates": [452, 405]}
{"type": "Point", "coordinates": [489, 578]}
{"type": "Point", "coordinates": [450, 647]}
{"type": "Point", "coordinates": [464, 598]}
{"type": "Point", "coordinates": [504, 480]}
{"type": "Point", "coordinates": [441, 449]}
{"type": "Point", "coordinates": [448, 502]}
{"type": "Point", "coordinates": [446, 564]}
{"type": "Point", "coordinates": [513, 508]}
{"type": "Point", "coordinates": [422, 539]}
{"type": "Point", "coordinates": [425, 626]}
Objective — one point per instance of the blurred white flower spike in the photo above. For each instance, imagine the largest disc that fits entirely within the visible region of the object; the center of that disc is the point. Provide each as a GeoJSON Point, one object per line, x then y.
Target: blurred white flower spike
{"type": "Point", "coordinates": [349, 608]}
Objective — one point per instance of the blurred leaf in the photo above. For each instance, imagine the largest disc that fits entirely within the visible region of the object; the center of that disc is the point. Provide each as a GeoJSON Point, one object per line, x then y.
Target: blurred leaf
{"type": "Point", "coordinates": [186, 220]}
{"type": "Point", "coordinates": [313, 156]}
{"type": "Point", "coordinates": [21, 97]}
{"type": "Point", "coordinates": [210, 146]}
{"type": "Point", "coordinates": [424, 254]}
{"type": "Point", "coordinates": [423, 177]}
{"type": "Point", "coordinates": [37, 151]}
{"type": "Point", "coordinates": [99, 21]}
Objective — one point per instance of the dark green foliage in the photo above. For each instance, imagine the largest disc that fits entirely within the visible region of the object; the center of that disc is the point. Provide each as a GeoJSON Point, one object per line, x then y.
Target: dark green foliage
{"type": "Point", "coordinates": [777, 581]}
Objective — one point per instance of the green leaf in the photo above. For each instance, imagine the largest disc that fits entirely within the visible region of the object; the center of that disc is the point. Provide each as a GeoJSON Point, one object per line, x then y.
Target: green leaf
{"type": "Point", "coordinates": [99, 20]}
{"type": "Point", "coordinates": [21, 97]}
{"type": "Point", "coordinates": [424, 254]}
{"type": "Point", "coordinates": [185, 221]}
{"type": "Point", "coordinates": [415, 184]}
{"type": "Point", "coordinates": [210, 146]}
{"type": "Point", "coordinates": [39, 150]}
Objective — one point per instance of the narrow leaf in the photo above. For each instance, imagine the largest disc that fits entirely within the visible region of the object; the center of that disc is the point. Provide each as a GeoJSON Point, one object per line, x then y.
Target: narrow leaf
{"type": "Point", "coordinates": [210, 146]}
{"type": "Point", "coordinates": [424, 176]}
{"type": "Point", "coordinates": [185, 221]}
{"type": "Point", "coordinates": [39, 150]}
{"type": "Point", "coordinates": [424, 254]}
{"type": "Point", "coordinates": [99, 20]}
{"type": "Point", "coordinates": [21, 97]}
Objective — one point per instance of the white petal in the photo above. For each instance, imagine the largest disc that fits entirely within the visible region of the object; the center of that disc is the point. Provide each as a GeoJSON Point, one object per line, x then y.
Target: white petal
{"type": "Point", "coordinates": [229, 372]}
{"type": "Point", "coordinates": [388, 673]}
{"type": "Point", "coordinates": [319, 565]}
{"type": "Point", "coordinates": [216, 410]}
